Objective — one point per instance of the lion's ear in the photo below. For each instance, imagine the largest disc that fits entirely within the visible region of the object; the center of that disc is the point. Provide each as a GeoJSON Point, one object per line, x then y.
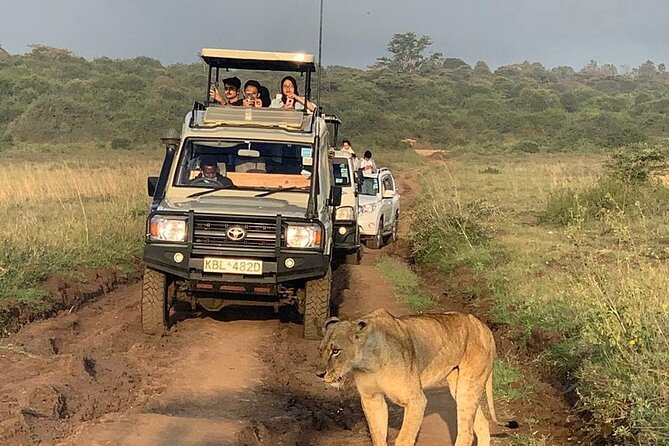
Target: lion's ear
{"type": "Point", "coordinates": [332, 320]}
{"type": "Point", "coordinates": [360, 332]}
{"type": "Point", "coordinates": [361, 324]}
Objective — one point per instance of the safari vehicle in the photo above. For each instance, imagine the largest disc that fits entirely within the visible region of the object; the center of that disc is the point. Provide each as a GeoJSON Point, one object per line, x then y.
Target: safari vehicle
{"type": "Point", "coordinates": [347, 233]}
{"type": "Point", "coordinates": [379, 208]}
{"type": "Point", "coordinates": [242, 211]}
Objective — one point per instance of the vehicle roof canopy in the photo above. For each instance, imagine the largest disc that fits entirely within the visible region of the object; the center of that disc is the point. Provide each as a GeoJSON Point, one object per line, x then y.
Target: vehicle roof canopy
{"type": "Point", "coordinates": [258, 60]}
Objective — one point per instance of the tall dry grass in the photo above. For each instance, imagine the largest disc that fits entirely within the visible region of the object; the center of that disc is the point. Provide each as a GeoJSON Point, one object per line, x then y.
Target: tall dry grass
{"type": "Point", "coordinates": [64, 215]}
{"type": "Point", "coordinates": [599, 286]}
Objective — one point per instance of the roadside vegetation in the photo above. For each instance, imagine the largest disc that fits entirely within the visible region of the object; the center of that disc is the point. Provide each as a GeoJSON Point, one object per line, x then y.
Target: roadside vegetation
{"type": "Point", "coordinates": [573, 250]}
{"type": "Point", "coordinates": [68, 213]}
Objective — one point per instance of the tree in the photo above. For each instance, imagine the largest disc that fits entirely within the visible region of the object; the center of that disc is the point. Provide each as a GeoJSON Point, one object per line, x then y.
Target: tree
{"type": "Point", "coordinates": [407, 54]}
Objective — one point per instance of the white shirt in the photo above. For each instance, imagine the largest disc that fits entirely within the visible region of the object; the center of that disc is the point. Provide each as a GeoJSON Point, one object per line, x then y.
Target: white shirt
{"type": "Point", "coordinates": [277, 103]}
{"type": "Point", "coordinates": [367, 165]}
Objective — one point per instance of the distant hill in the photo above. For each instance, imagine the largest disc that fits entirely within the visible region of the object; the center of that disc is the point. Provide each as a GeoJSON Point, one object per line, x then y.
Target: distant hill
{"type": "Point", "coordinates": [52, 95]}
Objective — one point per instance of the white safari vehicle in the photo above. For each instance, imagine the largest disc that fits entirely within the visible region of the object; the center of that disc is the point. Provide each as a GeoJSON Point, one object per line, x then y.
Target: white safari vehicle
{"type": "Point", "coordinates": [347, 232]}
{"type": "Point", "coordinates": [242, 211]}
{"type": "Point", "coordinates": [379, 208]}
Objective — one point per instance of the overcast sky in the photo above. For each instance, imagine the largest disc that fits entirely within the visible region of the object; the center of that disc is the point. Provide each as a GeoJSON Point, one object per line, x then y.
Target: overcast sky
{"type": "Point", "coordinates": [356, 32]}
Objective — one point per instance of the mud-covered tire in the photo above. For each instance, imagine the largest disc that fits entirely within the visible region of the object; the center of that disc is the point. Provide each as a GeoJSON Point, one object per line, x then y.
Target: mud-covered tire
{"type": "Point", "coordinates": [154, 302]}
{"type": "Point", "coordinates": [392, 237]}
{"type": "Point", "coordinates": [377, 241]}
{"type": "Point", "coordinates": [317, 305]}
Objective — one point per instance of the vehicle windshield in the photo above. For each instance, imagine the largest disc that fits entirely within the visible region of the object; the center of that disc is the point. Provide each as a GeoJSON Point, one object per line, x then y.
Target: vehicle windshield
{"type": "Point", "coordinates": [370, 186]}
{"type": "Point", "coordinates": [341, 172]}
{"type": "Point", "coordinates": [259, 165]}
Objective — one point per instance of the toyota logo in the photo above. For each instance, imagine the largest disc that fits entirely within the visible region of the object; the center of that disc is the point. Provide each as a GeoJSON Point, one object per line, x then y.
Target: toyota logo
{"type": "Point", "coordinates": [236, 234]}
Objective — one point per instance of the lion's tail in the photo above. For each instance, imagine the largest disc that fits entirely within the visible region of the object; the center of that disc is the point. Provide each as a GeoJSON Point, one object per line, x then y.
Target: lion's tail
{"type": "Point", "coordinates": [511, 424]}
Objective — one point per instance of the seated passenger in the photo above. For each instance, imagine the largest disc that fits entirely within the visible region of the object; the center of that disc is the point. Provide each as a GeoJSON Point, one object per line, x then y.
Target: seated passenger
{"type": "Point", "coordinates": [252, 94]}
{"type": "Point", "coordinates": [210, 174]}
{"type": "Point", "coordinates": [290, 98]}
{"type": "Point", "coordinates": [231, 92]}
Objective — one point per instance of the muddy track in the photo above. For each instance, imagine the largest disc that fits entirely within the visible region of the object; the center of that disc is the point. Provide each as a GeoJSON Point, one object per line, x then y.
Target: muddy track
{"type": "Point", "coordinates": [241, 377]}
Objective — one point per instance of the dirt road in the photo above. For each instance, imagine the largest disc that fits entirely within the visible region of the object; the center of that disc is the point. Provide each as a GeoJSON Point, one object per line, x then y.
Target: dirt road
{"type": "Point", "coordinates": [237, 378]}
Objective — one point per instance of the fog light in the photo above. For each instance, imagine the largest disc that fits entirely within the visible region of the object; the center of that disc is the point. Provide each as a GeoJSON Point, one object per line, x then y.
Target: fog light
{"type": "Point", "coordinates": [289, 263]}
{"type": "Point", "coordinates": [178, 257]}
{"type": "Point", "coordinates": [342, 230]}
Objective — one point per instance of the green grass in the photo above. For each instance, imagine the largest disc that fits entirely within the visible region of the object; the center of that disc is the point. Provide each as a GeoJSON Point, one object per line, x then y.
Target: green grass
{"type": "Point", "coordinates": [405, 283]}
{"type": "Point", "coordinates": [509, 383]}
{"type": "Point", "coordinates": [68, 210]}
{"type": "Point", "coordinates": [595, 284]}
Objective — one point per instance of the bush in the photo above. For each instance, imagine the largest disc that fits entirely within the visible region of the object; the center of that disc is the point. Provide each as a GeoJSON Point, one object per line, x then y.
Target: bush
{"type": "Point", "coordinates": [526, 146]}
{"type": "Point", "coordinates": [121, 144]}
{"type": "Point", "coordinates": [637, 162]}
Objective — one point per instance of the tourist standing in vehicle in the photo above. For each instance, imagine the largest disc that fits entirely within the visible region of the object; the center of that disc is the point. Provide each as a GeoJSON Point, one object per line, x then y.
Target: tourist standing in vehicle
{"type": "Point", "coordinates": [367, 164]}
{"type": "Point", "coordinates": [252, 94]}
{"type": "Point", "coordinates": [346, 147]}
{"type": "Point", "coordinates": [230, 94]}
{"type": "Point", "coordinates": [290, 98]}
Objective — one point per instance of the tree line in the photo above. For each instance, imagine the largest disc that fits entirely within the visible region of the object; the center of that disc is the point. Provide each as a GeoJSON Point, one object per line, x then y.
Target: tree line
{"type": "Point", "coordinates": [52, 95]}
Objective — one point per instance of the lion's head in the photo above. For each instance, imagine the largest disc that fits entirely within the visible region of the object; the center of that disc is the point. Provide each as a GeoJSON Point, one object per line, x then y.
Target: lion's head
{"type": "Point", "coordinates": [342, 349]}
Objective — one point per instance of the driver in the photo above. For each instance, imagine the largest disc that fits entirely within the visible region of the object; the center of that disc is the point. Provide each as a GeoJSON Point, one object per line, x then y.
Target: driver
{"type": "Point", "coordinates": [210, 174]}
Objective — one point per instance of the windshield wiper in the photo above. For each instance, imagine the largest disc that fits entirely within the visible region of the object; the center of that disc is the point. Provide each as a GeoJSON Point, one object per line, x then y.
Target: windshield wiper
{"type": "Point", "coordinates": [274, 191]}
{"type": "Point", "coordinates": [206, 192]}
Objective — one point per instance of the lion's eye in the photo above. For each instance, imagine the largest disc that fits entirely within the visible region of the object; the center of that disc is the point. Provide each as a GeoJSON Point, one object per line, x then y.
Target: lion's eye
{"type": "Point", "coordinates": [335, 351]}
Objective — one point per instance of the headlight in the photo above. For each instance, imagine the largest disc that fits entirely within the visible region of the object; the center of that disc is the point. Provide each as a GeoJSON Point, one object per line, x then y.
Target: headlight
{"type": "Point", "coordinates": [368, 207]}
{"type": "Point", "coordinates": [167, 229]}
{"type": "Point", "coordinates": [303, 236]}
{"type": "Point", "coordinates": [345, 213]}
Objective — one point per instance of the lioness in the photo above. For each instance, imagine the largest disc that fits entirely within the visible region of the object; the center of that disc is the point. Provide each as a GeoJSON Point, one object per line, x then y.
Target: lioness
{"type": "Point", "coordinates": [398, 357]}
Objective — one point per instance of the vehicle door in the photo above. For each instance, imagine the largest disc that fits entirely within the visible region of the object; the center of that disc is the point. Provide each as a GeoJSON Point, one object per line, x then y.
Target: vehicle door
{"type": "Point", "coordinates": [387, 187]}
{"type": "Point", "coordinates": [395, 208]}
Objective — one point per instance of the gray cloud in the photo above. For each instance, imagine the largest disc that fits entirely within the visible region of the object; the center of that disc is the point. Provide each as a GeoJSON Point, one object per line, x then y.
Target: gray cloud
{"type": "Point", "coordinates": [553, 32]}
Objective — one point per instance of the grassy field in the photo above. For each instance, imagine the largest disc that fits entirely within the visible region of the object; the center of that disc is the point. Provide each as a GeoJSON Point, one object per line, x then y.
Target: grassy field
{"type": "Point", "coordinates": [67, 208]}
{"type": "Point", "coordinates": [577, 264]}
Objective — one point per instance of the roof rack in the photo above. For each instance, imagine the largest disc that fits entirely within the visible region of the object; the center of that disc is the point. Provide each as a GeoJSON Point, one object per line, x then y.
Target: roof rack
{"type": "Point", "coordinates": [258, 60]}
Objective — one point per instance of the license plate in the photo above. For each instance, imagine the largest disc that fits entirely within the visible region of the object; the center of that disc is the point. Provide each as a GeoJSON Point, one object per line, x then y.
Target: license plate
{"type": "Point", "coordinates": [232, 266]}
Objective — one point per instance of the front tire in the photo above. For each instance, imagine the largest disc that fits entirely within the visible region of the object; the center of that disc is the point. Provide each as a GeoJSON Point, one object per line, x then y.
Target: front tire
{"type": "Point", "coordinates": [377, 241]}
{"type": "Point", "coordinates": [317, 305]}
{"type": "Point", "coordinates": [154, 302]}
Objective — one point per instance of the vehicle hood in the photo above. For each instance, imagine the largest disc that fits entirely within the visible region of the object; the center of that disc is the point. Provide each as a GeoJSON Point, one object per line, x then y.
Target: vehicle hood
{"type": "Point", "coordinates": [368, 199]}
{"type": "Point", "coordinates": [213, 204]}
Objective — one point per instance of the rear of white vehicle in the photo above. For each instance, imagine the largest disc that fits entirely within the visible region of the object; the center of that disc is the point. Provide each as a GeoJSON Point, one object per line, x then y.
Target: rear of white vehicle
{"type": "Point", "coordinates": [379, 209]}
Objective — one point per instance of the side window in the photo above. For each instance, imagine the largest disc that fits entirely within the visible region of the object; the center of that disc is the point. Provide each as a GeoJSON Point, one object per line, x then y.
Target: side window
{"type": "Point", "coordinates": [391, 182]}
{"type": "Point", "coordinates": [387, 184]}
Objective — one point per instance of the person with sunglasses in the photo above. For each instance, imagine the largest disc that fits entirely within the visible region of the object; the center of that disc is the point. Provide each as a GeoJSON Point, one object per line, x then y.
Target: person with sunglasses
{"type": "Point", "coordinates": [231, 92]}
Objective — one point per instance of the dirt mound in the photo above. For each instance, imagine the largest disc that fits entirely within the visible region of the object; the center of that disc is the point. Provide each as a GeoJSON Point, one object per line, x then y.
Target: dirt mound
{"type": "Point", "coordinates": [66, 292]}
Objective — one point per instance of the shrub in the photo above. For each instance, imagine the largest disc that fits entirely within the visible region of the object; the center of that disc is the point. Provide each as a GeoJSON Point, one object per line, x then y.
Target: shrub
{"type": "Point", "coordinates": [121, 144]}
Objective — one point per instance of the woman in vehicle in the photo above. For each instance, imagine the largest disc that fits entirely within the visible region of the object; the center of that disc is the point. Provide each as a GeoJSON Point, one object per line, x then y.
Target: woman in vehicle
{"type": "Point", "coordinates": [290, 98]}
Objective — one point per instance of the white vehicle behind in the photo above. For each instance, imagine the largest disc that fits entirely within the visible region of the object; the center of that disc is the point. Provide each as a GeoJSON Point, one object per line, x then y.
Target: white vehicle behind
{"type": "Point", "coordinates": [346, 231]}
{"type": "Point", "coordinates": [379, 208]}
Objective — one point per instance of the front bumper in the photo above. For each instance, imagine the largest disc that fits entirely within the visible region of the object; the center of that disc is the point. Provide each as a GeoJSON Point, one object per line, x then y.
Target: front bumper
{"type": "Point", "coordinates": [369, 223]}
{"type": "Point", "coordinates": [306, 265]}
{"type": "Point", "coordinates": [264, 241]}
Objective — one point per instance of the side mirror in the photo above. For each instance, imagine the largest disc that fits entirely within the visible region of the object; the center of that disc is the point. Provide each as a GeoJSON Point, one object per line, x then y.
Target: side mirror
{"type": "Point", "coordinates": [152, 184]}
{"type": "Point", "coordinates": [335, 196]}
{"type": "Point", "coordinates": [388, 194]}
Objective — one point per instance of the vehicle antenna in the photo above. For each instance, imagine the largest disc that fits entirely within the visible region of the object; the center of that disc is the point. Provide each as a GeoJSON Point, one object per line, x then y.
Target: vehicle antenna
{"type": "Point", "coordinates": [320, 55]}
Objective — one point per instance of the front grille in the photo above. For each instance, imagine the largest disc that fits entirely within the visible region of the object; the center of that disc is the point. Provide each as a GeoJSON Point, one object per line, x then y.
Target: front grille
{"type": "Point", "coordinates": [212, 231]}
